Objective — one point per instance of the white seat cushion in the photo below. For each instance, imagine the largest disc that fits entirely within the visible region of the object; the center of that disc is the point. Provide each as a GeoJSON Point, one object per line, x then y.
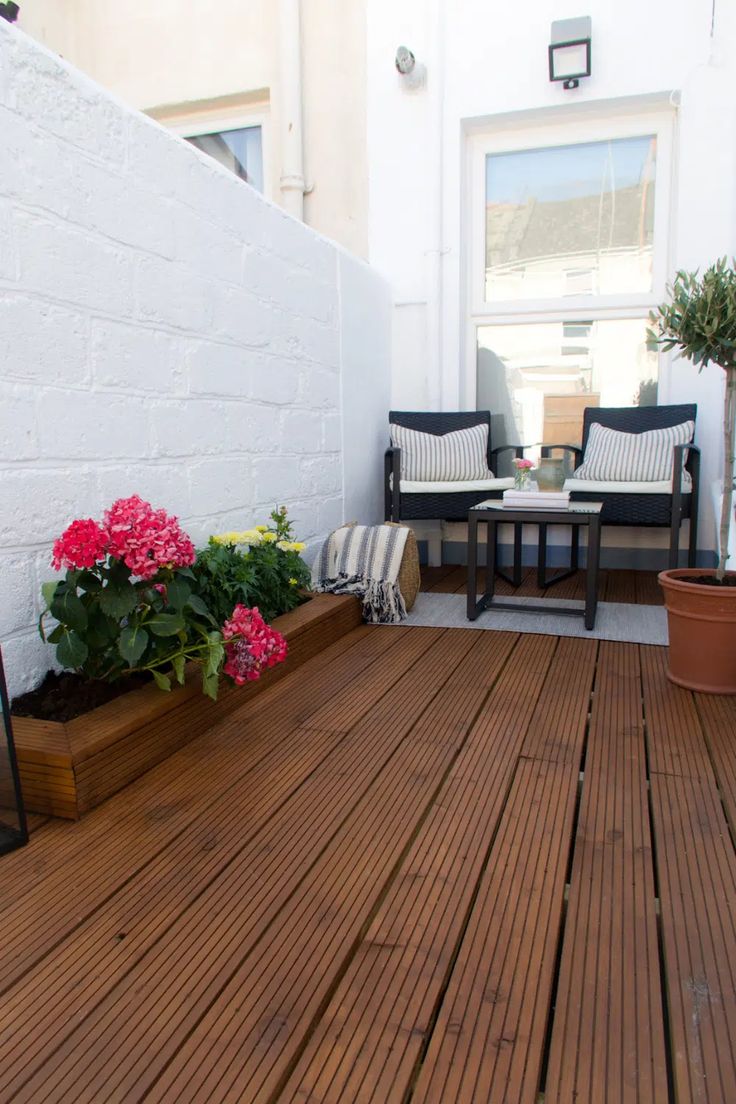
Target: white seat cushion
{"type": "Point", "coordinates": [610, 486]}
{"type": "Point", "coordinates": [413, 486]}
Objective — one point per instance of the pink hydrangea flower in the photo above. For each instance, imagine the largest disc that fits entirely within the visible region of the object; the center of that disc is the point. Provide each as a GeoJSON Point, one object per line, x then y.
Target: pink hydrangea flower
{"type": "Point", "coordinates": [146, 539]}
{"type": "Point", "coordinates": [82, 544]}
{"type": "Point", "coordinates": [250, 645]}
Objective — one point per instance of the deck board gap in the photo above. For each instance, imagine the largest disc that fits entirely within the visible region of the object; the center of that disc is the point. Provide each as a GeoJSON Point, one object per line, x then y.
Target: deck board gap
{"type": "Point", "coordinates": [666, 1013]}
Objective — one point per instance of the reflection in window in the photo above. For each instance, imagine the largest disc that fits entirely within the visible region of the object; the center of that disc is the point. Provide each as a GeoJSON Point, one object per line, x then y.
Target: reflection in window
{"type": "Point", "coordinates": [238, 150]}
{"type": "Point", "coordinates": [537, 378]}
{"type": "Point", "coordinates": [570, 220]}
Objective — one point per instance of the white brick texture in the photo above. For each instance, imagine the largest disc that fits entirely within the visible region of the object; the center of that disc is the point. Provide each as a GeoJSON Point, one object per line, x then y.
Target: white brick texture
{"type": "Point", "coordinates": [163, 330]}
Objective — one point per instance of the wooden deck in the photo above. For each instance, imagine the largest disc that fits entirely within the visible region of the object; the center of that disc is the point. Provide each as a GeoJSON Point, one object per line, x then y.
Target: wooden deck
{"type": "Point", "coordinates": [428, 866]}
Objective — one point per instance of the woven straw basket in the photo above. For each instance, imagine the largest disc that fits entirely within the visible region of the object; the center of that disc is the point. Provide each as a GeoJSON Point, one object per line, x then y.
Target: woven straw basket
{"type": "Point", "coordinates": [409, 577]}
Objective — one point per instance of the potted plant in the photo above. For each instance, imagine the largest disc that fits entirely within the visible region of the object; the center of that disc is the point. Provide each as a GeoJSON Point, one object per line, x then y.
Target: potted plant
{"type": "Point", "coordinates": [700, 321]}
{"type": "Point", "coordinates": [137, 611]}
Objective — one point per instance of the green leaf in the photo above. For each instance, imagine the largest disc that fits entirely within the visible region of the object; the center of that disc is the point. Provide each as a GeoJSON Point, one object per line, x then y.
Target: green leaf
{"type": "Point", "coordinates": [89, 582]}
{"type": "Point", "coordinates": [178, 663]}
{"type": "Point", "coordinates": [215, 656]}
{"type": "Point", "coordinates": [55, 635]}
{"type": "Point", "coordinates": [186, 572]}
{"type": "Point", "coordinates": [210, 685]}
{"type": "Point", "coordinates": [162, 681]}
{"type": "Point", "coordinates": [71, 650]}
{"type": "Point", "coordinates": [166, 624]}
{"type": "Point", "coordinates": [118, 599]}
{"type": "Point", "coordinates": [195, 603]}
{"type": "Point", "coordinates": [48, 590]}
{"type": "Point", "coordinates": [177, 593]}
{"type": "Point", "coordinates": [132, 644]}
{"type": "Point", "coordinates": [68, 609]}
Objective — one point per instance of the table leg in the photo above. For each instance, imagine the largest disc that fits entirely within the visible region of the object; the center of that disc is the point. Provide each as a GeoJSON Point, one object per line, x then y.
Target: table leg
{"type": "Point", "coordinates": [518, 532]}
{"type": "Point", "coordinates": [491, 531]}
{"type": "Point", "coordinates": [472, 603]}
{"type": "Point", "coordinates": [542, 557]}
{"type": "Point", "coordinates": [575, 548]}
{"type": "Point", "coordinates": [591, 573]}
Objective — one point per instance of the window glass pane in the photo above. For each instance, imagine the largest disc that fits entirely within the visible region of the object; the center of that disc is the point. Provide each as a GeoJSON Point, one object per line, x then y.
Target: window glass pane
{"type": "Point", "coordinates": [570, 220]}
{"type": "Point", "coordinates": [537, 378]}
{"type": "Point", "coordinates": [238, 150]}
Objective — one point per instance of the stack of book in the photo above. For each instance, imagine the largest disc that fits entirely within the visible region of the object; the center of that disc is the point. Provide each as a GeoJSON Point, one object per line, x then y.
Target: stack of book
{"type": "Point", "coordinates": [536, 500]}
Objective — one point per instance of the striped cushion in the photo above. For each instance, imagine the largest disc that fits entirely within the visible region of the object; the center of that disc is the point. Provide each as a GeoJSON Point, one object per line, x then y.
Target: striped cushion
{"type": "Point", "coordinates": [458, 455]}
{"type": "Point", "coordinates": [631, 457]}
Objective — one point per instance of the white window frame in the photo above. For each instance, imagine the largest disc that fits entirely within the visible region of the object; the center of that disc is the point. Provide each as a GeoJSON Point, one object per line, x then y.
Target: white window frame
{"type": "Point", "coordinates": [200, 122]}
{"type": "Point", "coordinates": [569, 132]}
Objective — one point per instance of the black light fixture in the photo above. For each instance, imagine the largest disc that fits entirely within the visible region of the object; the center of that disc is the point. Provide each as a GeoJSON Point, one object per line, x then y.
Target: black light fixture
{"type": "Point", "coordinates": [9, 12]}
{"type": "Point", "coordinates": [13, 827]}
{"type": "Point", "coordinates": [569, 50]}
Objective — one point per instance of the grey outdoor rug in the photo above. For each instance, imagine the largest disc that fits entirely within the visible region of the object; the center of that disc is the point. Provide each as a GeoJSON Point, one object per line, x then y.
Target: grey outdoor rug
{"type": "Point", "coordinates": [614, 620]}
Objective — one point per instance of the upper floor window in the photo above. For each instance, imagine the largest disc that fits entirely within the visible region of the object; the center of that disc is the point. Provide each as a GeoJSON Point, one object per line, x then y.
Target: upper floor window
{"type": "Point", "coordinates": [570, 220]}
{"type": "Point", "coordinates": [239, 149]}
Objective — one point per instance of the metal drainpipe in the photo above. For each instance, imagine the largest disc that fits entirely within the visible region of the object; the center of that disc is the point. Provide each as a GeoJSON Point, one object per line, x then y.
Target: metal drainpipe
{"type": "Point", "coordinates": [292, 146]}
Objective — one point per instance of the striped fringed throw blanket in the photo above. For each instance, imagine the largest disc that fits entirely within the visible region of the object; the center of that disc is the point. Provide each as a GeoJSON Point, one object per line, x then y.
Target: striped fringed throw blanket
{"type": "Point", "coordinates": [364, 560]}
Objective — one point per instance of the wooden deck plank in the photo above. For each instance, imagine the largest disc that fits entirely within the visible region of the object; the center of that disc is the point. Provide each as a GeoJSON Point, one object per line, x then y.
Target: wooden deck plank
{"type": "Point", "coordinates": [697, 872]}
{"type": "Point", "coordinates": [100, 861]}
{"type": "Point", "coordinates": [372, 1034]}
{"type": "Point", "coordinates": [356, 893]}
{"type": "Point", "coordinates": [717, 715]}
{"type": "Point", "coordinates": [487, 1044]}
{"type": "Point", "coordinates": [696, 865]}
{"type": "Point", "coordinates": [607, 1041]}
{"type": "Point", "coordinates": [327, 919]}
{"type": "Point", "coordinates": [235, 911]}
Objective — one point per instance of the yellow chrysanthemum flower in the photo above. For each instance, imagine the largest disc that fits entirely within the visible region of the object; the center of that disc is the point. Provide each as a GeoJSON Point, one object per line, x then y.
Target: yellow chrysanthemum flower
{"type": "Point", "coordinates": [262, 528]}
{"type": "Point", "coordinates": [298, 546]}
{"type": "Point", "coordinates": [293, 582]}
{"type": "Point", "coordinates": [269, 538]}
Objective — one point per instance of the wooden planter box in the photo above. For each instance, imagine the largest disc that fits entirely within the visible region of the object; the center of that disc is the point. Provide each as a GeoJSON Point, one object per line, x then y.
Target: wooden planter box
{"type": "Point", "coordinates": [67, 769]}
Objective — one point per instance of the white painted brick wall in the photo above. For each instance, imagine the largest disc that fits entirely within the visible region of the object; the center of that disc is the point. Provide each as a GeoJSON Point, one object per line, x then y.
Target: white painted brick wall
{"type": "Point", "coordinates": [163, 330]}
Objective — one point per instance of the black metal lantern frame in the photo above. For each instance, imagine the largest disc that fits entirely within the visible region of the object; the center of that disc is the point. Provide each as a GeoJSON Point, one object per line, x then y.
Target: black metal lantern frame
{"type": "Point", "coordinates": [567, 34]}
{"type": "Point", "coordinates": [13, 824]}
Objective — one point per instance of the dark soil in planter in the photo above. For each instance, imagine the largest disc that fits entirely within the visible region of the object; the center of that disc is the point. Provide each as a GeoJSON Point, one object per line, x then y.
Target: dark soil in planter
{"type": "Point", "coordinates": [710, 580]}
{"type": "Point", "coordinates": [62, 697]}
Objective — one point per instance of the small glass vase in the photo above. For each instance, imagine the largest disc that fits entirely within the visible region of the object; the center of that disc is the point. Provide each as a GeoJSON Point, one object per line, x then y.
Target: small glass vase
{"type": "Point", "coordinates": [522, 479]}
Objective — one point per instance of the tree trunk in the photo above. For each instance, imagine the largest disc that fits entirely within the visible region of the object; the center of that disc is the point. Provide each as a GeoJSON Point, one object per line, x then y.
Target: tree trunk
{"type": "Point", "coordinates": [729, 418]}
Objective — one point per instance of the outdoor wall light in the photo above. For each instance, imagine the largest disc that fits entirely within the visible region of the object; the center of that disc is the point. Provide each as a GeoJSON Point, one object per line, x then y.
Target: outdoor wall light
{"type": "Point", "coordinates": [569, 50]}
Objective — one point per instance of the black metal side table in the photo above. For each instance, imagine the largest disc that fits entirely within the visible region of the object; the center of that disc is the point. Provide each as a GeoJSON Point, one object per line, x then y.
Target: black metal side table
{"type": "Point", "coordinates": [493, 513]}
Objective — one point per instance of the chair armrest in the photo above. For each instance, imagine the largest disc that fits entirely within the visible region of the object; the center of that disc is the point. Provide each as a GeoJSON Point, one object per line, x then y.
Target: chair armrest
{"type": "Point", "coordinates": [679, 464]}
{"type": "Point", "coordinates": [518, 450]}
{"type": "Point", "coordinates": [574, 449]}
{"type": "Point", "coordinates": [391, 483]}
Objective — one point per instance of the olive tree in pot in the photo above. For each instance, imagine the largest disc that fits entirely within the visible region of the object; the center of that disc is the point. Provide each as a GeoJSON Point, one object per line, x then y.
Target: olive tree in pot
{"type": "Point", "coordinates": [700, 321]}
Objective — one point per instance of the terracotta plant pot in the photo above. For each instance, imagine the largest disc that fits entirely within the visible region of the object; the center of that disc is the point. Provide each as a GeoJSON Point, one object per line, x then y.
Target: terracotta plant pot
{"type": "Point", "coordinates": [702, 629]}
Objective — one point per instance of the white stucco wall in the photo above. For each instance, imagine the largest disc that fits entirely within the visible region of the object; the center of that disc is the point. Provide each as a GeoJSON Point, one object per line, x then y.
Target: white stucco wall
{"type": "Point", "coordinates": [487, 65]}
{"type": "Point", "coordinates": [163, 330]}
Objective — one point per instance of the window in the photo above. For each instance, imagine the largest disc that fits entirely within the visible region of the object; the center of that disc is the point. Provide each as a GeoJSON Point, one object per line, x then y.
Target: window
{"type": "Point", "coordinates": [568, 254]}
{"type": "Point", "coordinates": [239, 150]}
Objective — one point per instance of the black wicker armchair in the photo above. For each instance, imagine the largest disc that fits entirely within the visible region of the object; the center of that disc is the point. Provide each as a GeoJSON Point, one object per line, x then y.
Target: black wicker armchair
{"type": "Point", "coordinates": [649, 510]}
{"type": "Point", "coordinates": [448, 504]}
